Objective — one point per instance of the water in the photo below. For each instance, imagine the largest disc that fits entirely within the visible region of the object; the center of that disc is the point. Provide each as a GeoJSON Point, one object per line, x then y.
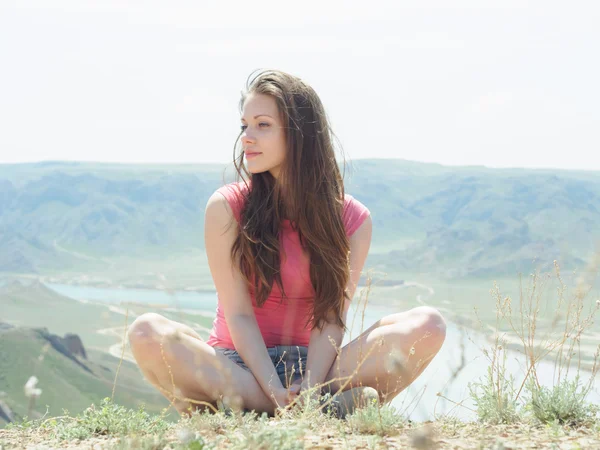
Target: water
{"type": "Point", "coordinates": [206, 301]}
{"type": "Point", "coordinates": [420, 400]}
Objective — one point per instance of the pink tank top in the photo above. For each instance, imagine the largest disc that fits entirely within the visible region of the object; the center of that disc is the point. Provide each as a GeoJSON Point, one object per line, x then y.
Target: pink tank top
{"type": "Point", "coordinates": [283, 322]}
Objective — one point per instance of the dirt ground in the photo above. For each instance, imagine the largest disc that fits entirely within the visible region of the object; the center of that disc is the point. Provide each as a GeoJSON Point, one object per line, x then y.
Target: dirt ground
{"type": "Point", "coordinates": [422, 436]}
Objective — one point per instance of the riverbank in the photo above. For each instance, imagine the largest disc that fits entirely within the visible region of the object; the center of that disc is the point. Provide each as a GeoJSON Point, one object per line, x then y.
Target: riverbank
{"type": "Point", "coordinates": [417, 294]}
{"type": "Point", "coordinates": [105, 283]}
{"type": "Point", "coordinates": [160, 284]}
{"type": "Point", "coordinates": [460, 361]}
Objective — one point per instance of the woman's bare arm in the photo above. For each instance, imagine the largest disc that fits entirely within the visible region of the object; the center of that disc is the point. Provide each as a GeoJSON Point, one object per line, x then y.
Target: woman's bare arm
{"type": "Point", "coordinates": [324, 344]}
{"type": "Point", "coordinates": [219, 234]}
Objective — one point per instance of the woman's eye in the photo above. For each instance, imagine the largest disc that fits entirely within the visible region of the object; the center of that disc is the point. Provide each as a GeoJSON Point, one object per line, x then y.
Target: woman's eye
{"type": "Point", "coordinates": [261, 125]}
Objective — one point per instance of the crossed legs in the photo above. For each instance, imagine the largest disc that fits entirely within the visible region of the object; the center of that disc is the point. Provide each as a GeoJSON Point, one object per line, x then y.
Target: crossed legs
{"type": "Point", "coordinates": [388, 357]}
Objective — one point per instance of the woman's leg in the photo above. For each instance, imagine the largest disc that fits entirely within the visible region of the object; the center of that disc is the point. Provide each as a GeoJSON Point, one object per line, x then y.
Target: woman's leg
{"type": "Point", "coordinates": [190, 368]}
{"type": "Point", "coordinates": [394, 351]}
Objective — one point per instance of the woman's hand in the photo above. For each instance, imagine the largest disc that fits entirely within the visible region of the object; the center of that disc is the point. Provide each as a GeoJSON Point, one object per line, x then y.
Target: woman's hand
{"type": "Point", "coordinates": [305, 391]}
{"type": "Point", "coordinates": [282, 397]}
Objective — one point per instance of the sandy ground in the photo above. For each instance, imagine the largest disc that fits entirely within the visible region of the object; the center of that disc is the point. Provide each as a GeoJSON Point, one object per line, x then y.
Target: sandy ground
{"type": "Point", "coordinates": [423, 436]}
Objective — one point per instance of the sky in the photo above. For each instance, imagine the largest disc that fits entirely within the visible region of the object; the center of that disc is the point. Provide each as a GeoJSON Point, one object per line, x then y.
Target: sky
{"type": "Point", "coordinates": [494, 83]}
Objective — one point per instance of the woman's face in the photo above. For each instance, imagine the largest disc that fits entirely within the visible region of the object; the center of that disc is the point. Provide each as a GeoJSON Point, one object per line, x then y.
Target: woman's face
{"type": "Point", "coordinates": [262, 133]}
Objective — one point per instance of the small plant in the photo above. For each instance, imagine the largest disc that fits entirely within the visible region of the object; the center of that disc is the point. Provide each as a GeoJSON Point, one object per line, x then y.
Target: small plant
{"type": "Point", "coordinates": [141, 443]}
{"type": "Point", "coordinates": [109, 419]}
{"type": "Point", "coordinates": [192, 442]}
{"type": "Point", "coordinates": [374, 441]}
{"type": "Point", "coordinates": [221, 422]}
{"type": "Point", "coordinates": [25, 424]}
{"type": "Point", "coordinates": [279, 437]}
{"type": "Point", "coordinates": [374, 419]}
{"type": "Point", "coordinates": [564, 403]}
{"type": "Point", "coordinates": [206, 420]}
{"type": "Point", "coordinates": [494, 397]}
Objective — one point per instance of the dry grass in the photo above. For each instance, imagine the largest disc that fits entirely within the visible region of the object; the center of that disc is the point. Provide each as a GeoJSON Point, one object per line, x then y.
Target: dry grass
{"type": "Point", "coordinates": [498, 399]}
{"type": "Point", "coordinates": [222, 432]}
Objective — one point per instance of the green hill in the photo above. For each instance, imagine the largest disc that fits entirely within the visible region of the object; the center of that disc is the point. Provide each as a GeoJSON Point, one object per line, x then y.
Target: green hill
{"type": "Point", "coordinates": [67, 381]}
{"type": "Point", "coordinates": [32, 321]}
{"type": "Point", "coordinates": [124, 223]}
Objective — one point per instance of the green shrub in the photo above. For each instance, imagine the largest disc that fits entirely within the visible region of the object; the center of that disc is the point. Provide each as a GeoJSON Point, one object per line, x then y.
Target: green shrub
{"type": "Point", "coordinates": [374, 419]}
{"type": "Point", "coordinates": [495, 397]}
{"type": "Point", "coordinates": [564, 403]}
{"type": "Point", "coordinates": [108, 419]}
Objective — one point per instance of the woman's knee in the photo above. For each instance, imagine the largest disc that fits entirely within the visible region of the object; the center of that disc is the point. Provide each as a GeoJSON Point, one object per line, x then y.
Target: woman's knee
{"type": "Point", "coordinates": [430, 324]}
{"type": "Point", "coordinates": [148, 331]}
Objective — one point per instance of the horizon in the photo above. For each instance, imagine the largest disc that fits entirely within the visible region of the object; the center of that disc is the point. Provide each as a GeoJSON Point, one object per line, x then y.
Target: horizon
{"type": "Point", "coordinates": [227, 164]}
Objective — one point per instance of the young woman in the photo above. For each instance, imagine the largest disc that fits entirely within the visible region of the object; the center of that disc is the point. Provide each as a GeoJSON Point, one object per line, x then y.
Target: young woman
{"type": "Point", "coordinates": [285, 249]}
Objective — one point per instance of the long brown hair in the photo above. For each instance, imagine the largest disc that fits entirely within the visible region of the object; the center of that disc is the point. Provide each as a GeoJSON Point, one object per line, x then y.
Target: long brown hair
{"type": "Point", "coordinates": [309, 192]}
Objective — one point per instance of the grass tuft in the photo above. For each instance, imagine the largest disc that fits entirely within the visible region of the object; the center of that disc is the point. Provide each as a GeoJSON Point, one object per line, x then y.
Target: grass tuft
{"type": "Point", "coordinates": [494, 397]}
{"type": "Point", "coordinates": [290, 437]}
{"type": "Point", "coordinates": [564, 403]}
{"type": "Point", "coordinates": [109, 419]}
{"type": "Point", "coordinates": [375, 419]}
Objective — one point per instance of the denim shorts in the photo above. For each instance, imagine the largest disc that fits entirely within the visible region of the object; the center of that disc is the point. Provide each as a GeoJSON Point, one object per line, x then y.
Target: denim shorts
{"type": "Point", "coordinates": [289, 361]}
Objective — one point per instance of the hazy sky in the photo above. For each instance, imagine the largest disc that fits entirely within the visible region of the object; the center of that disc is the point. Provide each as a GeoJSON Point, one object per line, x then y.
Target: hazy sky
{"type": "Point", "coordinates": [508, 84]}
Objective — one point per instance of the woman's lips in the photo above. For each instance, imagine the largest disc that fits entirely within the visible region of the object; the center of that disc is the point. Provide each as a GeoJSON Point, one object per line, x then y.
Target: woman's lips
{"type": "Point", "coordinates": [251, 154]}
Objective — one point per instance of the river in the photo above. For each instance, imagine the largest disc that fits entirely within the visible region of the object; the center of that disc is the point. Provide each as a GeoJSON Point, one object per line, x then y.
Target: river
{"type": "Point", "coordinates": [462, 348]}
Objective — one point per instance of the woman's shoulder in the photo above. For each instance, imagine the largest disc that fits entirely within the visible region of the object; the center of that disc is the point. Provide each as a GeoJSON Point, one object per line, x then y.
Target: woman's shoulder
{"type": "Point", "coordinates": [234, 188]}
{"type": "Point", "coordinates": [235, 193]}
{"type": "Point", "coordinates": [355, 213]}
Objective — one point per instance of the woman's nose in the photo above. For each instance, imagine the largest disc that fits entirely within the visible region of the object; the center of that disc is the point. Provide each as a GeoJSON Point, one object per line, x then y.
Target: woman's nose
{"type": "Point", "coordinates": [247, 137]}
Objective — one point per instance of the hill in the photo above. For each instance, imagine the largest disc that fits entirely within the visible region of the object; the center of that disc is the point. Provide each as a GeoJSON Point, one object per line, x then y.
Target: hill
{"type": "Point", "coordinates": [124, 223]}
{"type": "Point", "coordinates": [75, 370]}
{"type": "Point", "coordinates": [31, 304]}
{"type": "Point", "coordinates": [68, 381]}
